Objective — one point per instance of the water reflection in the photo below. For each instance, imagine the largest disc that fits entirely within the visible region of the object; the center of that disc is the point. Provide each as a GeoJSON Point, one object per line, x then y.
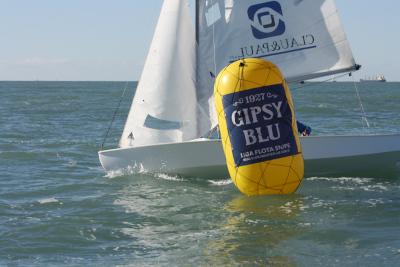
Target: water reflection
{"type": "Point", "coordinates": [190, 223]}
{"type": "Point", "coordinates": [256, 229]}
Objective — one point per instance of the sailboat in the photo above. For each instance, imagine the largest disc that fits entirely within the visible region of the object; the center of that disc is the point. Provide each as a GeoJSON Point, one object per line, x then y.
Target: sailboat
{"type": "Point", "coordinates": [172, 126]}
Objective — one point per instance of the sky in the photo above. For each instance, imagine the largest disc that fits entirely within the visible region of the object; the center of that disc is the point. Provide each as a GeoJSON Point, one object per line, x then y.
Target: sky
{"type": "Point", "coordinates": [105, 40]}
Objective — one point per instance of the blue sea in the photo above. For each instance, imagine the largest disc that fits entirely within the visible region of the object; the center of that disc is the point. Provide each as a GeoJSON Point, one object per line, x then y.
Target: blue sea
{"type": "Point", "coordinates": [59, 208]}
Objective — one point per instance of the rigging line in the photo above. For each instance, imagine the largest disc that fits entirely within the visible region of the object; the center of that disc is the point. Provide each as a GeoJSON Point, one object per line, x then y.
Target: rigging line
{"type": "Point", "coordinates": [364, 114]}
{"type": "Point", "coordinates": [114, 115]}
{"type": "Point", "coordinates": [320, 82]}
{"type": "Point", "coordinates": [214, 48]}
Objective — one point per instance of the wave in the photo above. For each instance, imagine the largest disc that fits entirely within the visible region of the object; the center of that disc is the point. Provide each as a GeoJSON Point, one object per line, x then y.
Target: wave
{"type": "Point", "coordinates": [139, 169]}
{"type": "Point", "coordinates": [342, 180]}
{"type": "Point", "coordinates": [220, 182]}
{"type": "Point", "coordinates": [169, 177]}
{"type": "Point", "coordinates": [48, 201]}
{"type": "Point", "coordinates": [354, 183]}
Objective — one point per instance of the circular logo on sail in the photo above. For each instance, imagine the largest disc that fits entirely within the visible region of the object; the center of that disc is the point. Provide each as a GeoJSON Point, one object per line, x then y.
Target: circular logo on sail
{"type": "Point", "coordinates": [267, 19]}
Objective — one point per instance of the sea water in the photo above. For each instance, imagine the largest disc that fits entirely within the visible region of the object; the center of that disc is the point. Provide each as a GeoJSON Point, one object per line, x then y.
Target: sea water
{"type": "Point", "coordinates": [59, 208]}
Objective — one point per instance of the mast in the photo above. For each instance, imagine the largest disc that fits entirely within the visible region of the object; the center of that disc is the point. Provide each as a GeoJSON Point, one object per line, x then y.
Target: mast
{"type": "Point", "coordinates": [197, 56]}
{"type": "Point", "coordinates": [197, 8]}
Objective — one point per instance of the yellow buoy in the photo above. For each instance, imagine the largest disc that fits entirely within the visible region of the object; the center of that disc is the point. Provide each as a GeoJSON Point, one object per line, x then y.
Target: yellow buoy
{"type": "Point", "coordinates": [258, 128]}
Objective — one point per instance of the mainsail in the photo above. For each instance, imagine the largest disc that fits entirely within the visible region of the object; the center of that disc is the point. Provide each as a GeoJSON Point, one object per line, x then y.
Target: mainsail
{"type": "Point", "coordinates": [303, 37]}
{"type": "Point", "coordinates": [164, 106]}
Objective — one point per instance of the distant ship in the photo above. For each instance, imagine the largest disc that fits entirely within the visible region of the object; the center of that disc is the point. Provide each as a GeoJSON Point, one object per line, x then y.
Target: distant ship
{"type": "Point", "coordinates": [378, 78]}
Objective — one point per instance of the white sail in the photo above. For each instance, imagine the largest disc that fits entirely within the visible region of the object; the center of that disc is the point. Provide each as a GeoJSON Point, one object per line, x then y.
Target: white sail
{"type": "Point", "coordinates": [164, 106]}
{"type": "Point", "coordinates": [303, 37]}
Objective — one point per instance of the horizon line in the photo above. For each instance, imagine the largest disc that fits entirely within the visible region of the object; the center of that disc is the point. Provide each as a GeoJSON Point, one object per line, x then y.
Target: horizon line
{"type": "Point", "coordinates": [138, 81]}
{"type": "Point", "coordinates": [68, 81]}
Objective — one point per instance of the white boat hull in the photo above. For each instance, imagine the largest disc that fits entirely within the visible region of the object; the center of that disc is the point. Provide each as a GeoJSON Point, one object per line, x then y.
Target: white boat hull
{"type": "Point", "coordinates": [371, 156]}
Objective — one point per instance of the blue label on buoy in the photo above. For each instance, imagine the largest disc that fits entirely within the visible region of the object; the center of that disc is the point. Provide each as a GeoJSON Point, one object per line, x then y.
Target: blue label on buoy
{"type": "Point", "coordinates": [259, 125]}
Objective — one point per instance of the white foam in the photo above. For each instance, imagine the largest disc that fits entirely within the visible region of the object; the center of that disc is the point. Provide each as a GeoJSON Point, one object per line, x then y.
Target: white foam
{"type": "Point", "coordinates": [49, 200]}
{"type": "Point", "coordinates": [356, 180]}
{"type": "Point", "coordinates": [114, 174]}
{"type": "Point", "coordinates": [286, 209]}
{"type": "Point", "coordinates": [374, 202]}
{"type": "Point", "coordinates": [135, 169]}
{"type": "Point", "coordinates": [220, 182]}
{"type": "Point", "coordinates": [342, 180]}
{"type": "Point", "coordinates": [72, 163]}
{"type": "Point", "coordinates": [375, 188]}
{"type": "Point", "coordinates": [168, 177]}
{"type": "Point", "coordinates": [139, 169]}
{"type": "Point", "coordinates": [319, 179]}
{"type": "Point", "coordinates": [98, 168]}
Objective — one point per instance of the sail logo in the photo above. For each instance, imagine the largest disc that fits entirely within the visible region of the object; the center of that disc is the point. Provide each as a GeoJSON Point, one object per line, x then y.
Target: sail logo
{"type": "Point", "coordinates": [267, 20]}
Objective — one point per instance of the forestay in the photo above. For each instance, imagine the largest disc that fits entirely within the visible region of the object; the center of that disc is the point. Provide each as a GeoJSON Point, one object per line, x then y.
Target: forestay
{"type": "Point", "coordinates": [164, 107]}
{"type": "Point", "coordinates": [304, 38]}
